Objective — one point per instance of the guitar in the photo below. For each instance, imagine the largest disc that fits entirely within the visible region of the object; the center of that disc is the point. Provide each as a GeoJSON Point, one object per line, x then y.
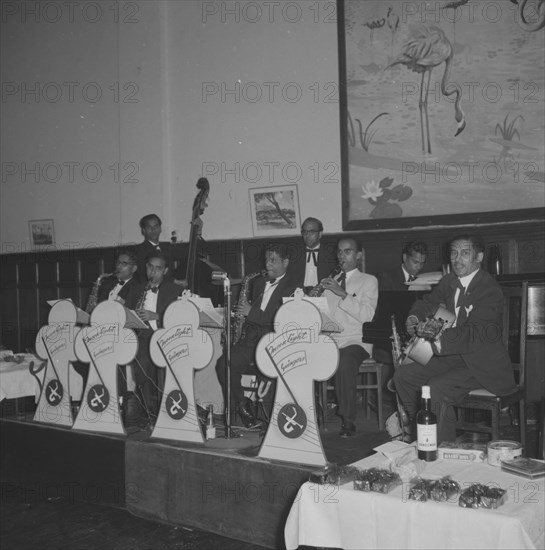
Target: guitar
{"type": "Point", "coordinates": [419, 349]}
{"type": "Point", "coordinates": [199, 206]}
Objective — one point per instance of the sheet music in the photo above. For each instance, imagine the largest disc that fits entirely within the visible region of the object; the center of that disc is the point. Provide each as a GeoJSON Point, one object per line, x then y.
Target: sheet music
{"type": "Point", "coordinates": [328, 323]}
{"type": "Point", "coordinates": [82, 317]}
{"type": "Point", "coordinates": [209, 316]}
{"type": "Point", "coordinates": [133, 321]}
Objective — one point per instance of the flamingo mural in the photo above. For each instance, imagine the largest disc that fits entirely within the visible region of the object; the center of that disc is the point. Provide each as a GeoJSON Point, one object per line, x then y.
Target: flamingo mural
{"type": "Point", "coordinates": [425, 49]}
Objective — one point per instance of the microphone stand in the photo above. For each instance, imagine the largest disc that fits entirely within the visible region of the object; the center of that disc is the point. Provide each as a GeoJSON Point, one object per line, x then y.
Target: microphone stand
{"type": "Point", "coordinates": [227, 294]}
{"type": "Point", "coordinates": [217, 276]}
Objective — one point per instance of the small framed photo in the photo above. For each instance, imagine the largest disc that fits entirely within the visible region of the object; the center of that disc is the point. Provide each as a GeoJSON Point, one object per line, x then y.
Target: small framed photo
{"type": "Point", "coordinates": [42, 233]}
{"type": "Point", "coordinates": [275, 210]}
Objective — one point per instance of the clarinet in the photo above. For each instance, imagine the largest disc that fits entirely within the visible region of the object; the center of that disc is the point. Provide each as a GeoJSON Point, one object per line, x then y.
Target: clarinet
{"type": "Point", "coordinates": [142, 299]}
{"type": "Point", "coordinates": [318, 290]}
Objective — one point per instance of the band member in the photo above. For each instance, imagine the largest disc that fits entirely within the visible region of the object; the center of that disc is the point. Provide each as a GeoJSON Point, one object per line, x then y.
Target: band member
{"type": "Point", "coordinates": [266, 298]}
{"type": "Point", "coordinates": [311, 264]}
{"type": "Point", "coordinates": [150, 300]}
{"type": "Point", "coordinates": [470, 354]}
{"type": "Point", "coordinates": [352, 299]}
{"type": "Point", "coordinates": [117, 286]}
{"type": "Point", "coordinates": [151, 228]}
{"type": "Point", "coordinates": [413, 258]}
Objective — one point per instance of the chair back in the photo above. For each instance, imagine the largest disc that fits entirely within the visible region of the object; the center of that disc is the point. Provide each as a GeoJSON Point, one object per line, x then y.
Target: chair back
{"type": "Point", "coordinates": [515, 321]}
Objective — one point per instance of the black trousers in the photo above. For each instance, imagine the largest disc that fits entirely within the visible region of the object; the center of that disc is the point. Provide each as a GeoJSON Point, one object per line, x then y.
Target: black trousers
{"type": "Point", "coordinates": [346, 380]}
{"type": "Point", "coordinates": [449, 379]}
{"type": "Point", "coordinates": [146, 376]}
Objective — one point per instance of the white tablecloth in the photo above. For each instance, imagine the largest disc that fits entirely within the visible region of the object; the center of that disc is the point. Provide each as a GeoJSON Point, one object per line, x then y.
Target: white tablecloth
{"type": "Point", "coordinates": [339, 517]}
{"type": "Point", "coordinates": [16, 380]}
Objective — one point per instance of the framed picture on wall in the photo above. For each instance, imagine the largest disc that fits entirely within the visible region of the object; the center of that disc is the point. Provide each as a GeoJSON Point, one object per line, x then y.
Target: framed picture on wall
{"type": "Point", "coordinates": [442, 113]}
{"type": "Point", "coordinates": [275, 211]}
{"type": "Point", "coordinates": [42, 233]}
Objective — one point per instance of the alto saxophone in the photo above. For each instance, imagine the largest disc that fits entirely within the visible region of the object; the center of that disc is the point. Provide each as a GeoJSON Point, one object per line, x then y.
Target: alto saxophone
{"type": "Point", "coordinates": [397, 356]}
{"type": "Point", "coordinates": [318, 290]}
{"type": "Point", "coordinates": [238, 322]}
{"type": "Point", "coordinates": [92, 300]}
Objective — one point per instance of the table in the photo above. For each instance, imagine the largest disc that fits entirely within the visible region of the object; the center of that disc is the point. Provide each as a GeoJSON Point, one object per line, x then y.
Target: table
{"type": "Point", "coordinates": [339, 517]}
{"type": "Point", "coordinates": [16, 380]}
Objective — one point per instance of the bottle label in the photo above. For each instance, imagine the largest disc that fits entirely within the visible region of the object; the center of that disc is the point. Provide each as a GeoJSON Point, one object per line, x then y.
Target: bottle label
{"type": "Point", "coordinates": [426, 437]}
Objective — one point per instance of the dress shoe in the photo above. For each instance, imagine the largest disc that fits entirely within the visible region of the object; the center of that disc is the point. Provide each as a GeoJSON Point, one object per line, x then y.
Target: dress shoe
{"type": "Point", "coordinates": [247, 417]}
{"type": "Point", "coordinates": [348, 429]}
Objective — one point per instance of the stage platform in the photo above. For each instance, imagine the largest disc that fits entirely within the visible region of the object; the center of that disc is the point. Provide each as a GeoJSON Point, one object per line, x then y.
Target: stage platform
{"type": "Point", "coordinates": [220, 487]}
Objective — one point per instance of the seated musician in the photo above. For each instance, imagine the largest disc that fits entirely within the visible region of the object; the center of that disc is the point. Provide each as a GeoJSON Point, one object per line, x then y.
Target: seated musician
{"type": "Point", "coordinates": [150, 300]}
{"type": "Point", "coordinates": [310, 263]}
{"type": "Point", "coordinates": [116, 287]}
{"type": "Point", "coordinates": [413, 258]}
{"type": "Point", "coordinates": [264, 300]}
{"type": "Point", "coordinates": [470, 354]}
{"type": "Point", "coordinates": [352, 299]}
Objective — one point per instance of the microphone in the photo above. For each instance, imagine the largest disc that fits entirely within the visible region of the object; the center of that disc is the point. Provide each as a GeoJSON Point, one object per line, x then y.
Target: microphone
{"type": "Point", "coordinates": [219, 275]}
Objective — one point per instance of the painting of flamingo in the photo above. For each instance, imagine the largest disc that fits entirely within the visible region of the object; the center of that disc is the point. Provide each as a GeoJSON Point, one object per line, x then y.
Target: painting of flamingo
{"type": "Point", "coordinates": [452, 93]}
{"type": "Point", "coordinates": [427, 48]}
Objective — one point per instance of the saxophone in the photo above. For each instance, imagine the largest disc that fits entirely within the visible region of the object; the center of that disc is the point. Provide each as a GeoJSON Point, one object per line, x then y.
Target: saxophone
{"type": "Point", "coordinates": [239, 319]}
{"type": "Point", "coordinates": [398, 356]}
{"type": "Point", "coordinates": [92, 300]}
{"type": "Point", "coordinates": [318, 290]}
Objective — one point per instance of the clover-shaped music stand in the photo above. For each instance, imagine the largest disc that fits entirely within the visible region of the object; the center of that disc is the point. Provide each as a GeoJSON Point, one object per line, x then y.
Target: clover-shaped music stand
{"type": "Point", "coordinates": [55, 344]}
{"type": "Point", "coordinates": [182, 347]}
{"type": "Point", "coordinates": [104, 345]}
{"type": "Point", "coordinates": [297, 354]}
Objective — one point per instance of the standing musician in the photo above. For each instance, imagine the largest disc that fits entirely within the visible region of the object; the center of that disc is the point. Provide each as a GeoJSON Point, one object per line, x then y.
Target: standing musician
{"type": "Point", "coordinates": [311, 264]}
{"type": "Point", "coordinates": [413, 258]}
{"type": "Point", "coordinates": [150, 300]}
{"type": "Point", "coordinates": [151, 227]}
{"type": "Point", "coordinates": [470, 354]}
{"type": "Point", "coordinates": [266, 297]}
{"type": "Point", "coordinates": [352, 299]}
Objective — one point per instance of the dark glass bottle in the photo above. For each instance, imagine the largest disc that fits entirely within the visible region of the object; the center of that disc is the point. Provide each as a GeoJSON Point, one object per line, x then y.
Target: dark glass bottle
{"type": "Point", "coordinates": [495, 262]}
{"type": "Point", "coordinates": [426, 429]}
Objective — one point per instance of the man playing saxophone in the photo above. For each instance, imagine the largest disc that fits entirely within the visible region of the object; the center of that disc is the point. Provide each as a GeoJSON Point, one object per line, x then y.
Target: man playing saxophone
{"type": "Point", "coordinates": [150, 300]}
{"type": "Point", "coordinates": [352, 299]}
{"type": "Point", "coordinates": [259, 311]}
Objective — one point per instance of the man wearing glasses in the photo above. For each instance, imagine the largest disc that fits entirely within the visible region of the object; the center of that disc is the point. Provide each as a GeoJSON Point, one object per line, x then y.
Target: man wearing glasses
{"type": "Point", "coordinates": [311, 264]}
{"type": "Point", "coordinates": [352, 300]}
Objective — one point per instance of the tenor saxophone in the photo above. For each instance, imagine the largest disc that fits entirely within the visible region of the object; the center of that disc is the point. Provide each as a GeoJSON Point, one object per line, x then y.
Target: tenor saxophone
{"type": "Point", "coordinates": [93, 297]}
{"type": "Point", "coordinates": [238, 322]}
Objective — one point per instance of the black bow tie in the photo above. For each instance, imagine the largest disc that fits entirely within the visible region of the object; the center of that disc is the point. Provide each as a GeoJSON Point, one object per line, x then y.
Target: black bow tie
{"type": "Point", "coordinates": [120, 282]}
{"type": "Point", "coordinates": [412, 278]}
{"type": "Point", "coordinates": [312, 253]}
{"type": "Point", "coordinates": [271, 281]}
{"type": "Point", "coordinates": [154, 289]}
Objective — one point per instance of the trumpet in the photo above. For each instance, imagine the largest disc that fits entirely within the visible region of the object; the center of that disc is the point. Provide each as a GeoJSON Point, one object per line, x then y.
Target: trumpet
{"type": "Point", "coordinates": [318, 290]}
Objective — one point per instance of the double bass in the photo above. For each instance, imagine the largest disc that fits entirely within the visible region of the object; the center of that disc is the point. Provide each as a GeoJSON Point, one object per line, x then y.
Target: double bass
{"type": "Point", "coordinates": [199, 206]}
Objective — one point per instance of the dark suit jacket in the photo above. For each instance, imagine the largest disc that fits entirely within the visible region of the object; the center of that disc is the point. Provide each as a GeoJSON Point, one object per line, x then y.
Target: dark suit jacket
{"type": "Point", "coordinates": [167, 293]}
{"type": "Point", "coordinates": [298, 262]}
{"type": "Point", "coordinates": [259, 323]}
{"type": "Point", "coordinates": [392, 280]}
{"type": "Point", "coordinates": [172, 252]}
{"type": "Point", "coordinates": [109, 283]}
{"type": "Point", "coordinates": [478, 340]}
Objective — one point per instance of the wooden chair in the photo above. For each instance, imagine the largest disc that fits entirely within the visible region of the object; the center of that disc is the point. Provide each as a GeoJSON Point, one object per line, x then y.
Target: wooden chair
{"type": "Point", "coordinates": [368, 367]}
{"type": "Point", "coordinates": [514, 337]}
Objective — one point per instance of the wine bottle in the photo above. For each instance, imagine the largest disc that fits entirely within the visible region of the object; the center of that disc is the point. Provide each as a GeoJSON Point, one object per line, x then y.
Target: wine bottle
{"type": "Point", "coordinates": [495, 260]}
{"type": "Point", "coordinates": [426, 429]}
